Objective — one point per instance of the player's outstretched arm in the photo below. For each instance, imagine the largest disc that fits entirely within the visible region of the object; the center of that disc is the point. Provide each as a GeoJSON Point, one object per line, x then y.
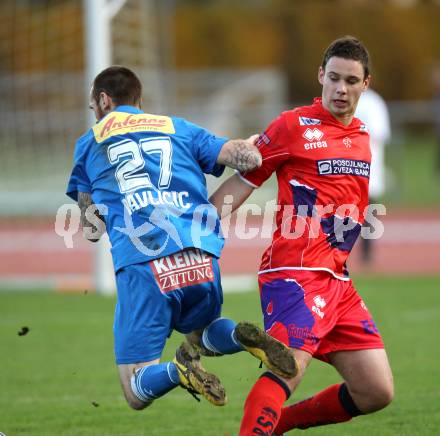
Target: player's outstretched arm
{"type": "Point", "coordinates": [240, 154]}
{"type": "Point", "coordinates": [92, 223]}
{"type": "Point", "coordinates": [231, 189]}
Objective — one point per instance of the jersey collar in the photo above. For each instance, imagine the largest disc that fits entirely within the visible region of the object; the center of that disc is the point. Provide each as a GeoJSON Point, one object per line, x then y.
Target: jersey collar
{"type": "Point", "coordinates": [128, 109]}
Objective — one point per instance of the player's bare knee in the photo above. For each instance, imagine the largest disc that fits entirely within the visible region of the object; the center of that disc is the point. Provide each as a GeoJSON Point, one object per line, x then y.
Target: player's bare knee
{"type": "Point", "coordinates": [292, 383]}
{"type": "Point", "coordinates": [138, 405]}
{"type": "Point", "coordinates": [383, 397]}
{"type": "Point", "coordinates": [373, 399]}
{"type": "Point", "coordinates": [134, 402]}
{"type": "Point", "coordinates": [302, 360]}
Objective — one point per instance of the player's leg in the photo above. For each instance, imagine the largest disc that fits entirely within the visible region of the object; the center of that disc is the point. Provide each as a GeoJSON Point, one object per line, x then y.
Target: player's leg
{"type": "Point", "coordinates": [263, 405]}
{"type": "Point", "coordinates": [287, 305]}
{"type": "Point", "coordinates": [134, 394]}
{"type": "Point", "coordinates": [200, 307]}
{"type": "Point", "coordinates": [141, 326]}
{"type": "Point", "coordinates": [217, 338]}
{"type": "Point", "coordinates": [143, 319]}
{"type": "Point", "coordinates": [367, 387]}
{"type": "Point", "coordinates": [225, 336]}
{"type": "Point", "coordinates": [368, 377]}
{"type": "Point", "coordinates": [366, 368]}
{"type": "Point", "coordinates": [363, 364]}
{"type": "Point", "coordinates": [329, 406]}
{"type": "Point", "coordinates": [142, 383]}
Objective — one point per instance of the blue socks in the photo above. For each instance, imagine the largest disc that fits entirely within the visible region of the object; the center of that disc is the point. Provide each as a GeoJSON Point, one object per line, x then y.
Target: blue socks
{"type": "Point", "coordinates": [219, 337]}
{"type": "Point", "coordinates": [153, 381]}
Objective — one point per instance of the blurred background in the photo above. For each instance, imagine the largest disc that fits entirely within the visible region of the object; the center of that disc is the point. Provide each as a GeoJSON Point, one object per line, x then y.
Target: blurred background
{"type": "Point", "coordinates": [229, 66]}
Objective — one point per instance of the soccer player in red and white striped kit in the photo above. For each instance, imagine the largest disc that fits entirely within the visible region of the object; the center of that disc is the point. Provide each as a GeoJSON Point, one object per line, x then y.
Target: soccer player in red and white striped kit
{"type": "Point", "coordinates": [321, 156]}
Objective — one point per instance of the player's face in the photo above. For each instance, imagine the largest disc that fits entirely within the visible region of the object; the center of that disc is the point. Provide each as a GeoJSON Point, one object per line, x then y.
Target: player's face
{"type": "Point", "coordinates": [95, 107]}
{"type": "Point", "coordinates": [342, 84]}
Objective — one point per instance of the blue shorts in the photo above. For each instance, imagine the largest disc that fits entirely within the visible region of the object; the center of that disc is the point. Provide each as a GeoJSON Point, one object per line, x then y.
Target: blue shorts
{"type": "Point", "coordinates": [179, 292]}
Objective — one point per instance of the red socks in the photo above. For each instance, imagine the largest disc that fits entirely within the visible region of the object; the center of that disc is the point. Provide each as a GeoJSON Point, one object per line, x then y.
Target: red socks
{"type": "Point", "coordinates": [262, 408]}
{"type": "Point", "coordinates": [265, 416]}
{"type": "Point", "coordinates": [329, 406]}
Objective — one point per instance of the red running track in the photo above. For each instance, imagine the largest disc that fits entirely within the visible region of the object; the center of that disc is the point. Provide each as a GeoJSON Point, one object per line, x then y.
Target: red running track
{"type": "Point", "coordinates": [33, 255]}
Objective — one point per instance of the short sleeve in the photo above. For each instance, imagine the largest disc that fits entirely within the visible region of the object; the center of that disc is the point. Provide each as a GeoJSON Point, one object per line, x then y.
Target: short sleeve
{"type": "Point", "coordinates": [207, 148]}
{"type": "Point", "coordinates": [79, 181]}
{"type": "Point", "coordinates": [274, 149]}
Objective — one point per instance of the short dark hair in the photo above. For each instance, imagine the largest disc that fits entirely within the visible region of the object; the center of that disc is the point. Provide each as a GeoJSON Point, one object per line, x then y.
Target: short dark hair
{"type": "Point", "coordinates": [348, 47]}
{"type": "Point", "coordinates": [120, 83]}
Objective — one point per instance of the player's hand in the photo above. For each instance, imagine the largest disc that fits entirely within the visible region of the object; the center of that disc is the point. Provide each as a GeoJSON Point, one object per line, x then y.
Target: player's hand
{"type": "Point", "coordinates": [93, 223]}
{"type": "Point", "coordinates": [253, 139]}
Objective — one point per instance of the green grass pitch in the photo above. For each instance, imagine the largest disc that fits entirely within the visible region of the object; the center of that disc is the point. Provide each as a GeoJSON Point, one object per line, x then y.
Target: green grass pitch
{"type": "Point", "coordinates": [59, 378]}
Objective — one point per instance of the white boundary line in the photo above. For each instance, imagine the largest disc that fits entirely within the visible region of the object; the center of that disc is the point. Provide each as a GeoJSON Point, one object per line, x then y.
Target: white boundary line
{"type": "Point", "coordinates": [230, 283]}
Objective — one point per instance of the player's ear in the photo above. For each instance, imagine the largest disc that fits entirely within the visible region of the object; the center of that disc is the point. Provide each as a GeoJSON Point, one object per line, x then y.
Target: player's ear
{"type": "Point", "coordinates": [321, 73]}
{"type": "Point", "coordinates": [105, 101]}
{"type": "Point", "coordinates": [367, 81]}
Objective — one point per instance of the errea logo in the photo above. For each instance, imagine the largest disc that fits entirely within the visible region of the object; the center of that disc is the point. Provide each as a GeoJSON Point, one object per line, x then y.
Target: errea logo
{"type": "Point", "coordinates": [319, 306]}
{"type": "Point", "coordinates": [313, 134]}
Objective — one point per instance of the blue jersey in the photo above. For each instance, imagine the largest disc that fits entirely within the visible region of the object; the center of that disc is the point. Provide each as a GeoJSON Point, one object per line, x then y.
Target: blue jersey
{"type": "Point", "coordinates": [147, 173]}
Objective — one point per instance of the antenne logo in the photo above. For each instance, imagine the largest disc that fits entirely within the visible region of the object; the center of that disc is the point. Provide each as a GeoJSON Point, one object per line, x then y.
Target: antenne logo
{"type": "Point", "coordinates": [313, 134]}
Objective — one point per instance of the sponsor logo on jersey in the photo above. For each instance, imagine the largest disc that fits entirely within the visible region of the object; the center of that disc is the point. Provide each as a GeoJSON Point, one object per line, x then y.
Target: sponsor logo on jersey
{"type": "Point", "coordinates": [369, 326]}
{"type": "Point", "coordinates": [182, 269]}
{"type": "Point", "coordinates": [302, 333]}
{"type": "Point", "coordinates": [263, 139]}
{"type": "Point", "coordinates": [339, 166]}
{"type": "Point", "coordinates": [119, 123]}
{"type": "Point", "coordinates": [303, 121]}
{"type": "Point", "coordinates": [319, 306]}
{"type": "Point", "coordinates": [269, 308]}
{"type": "Point", "coordinates": [313, 134]}
{"type": "Point", "coordinates": [316, 135]}
{"type": "Point", "coordinates": [314, 145]}
{"type": "Point", "coordinates": [347, 142]}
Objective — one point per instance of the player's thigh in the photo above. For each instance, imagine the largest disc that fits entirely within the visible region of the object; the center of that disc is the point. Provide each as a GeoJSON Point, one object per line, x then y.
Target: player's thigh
{"type": "Point", "coordinates": [298, 307]}
{"type": "Point", "coordinates": [368, 376]}
{"type": "Point", "coordinates": [201, 303]}
{"type": "Point", "coordinates": [354, 328]}
{"type": "Point", "coordinates": [142, 317]}
{"type": "Point", "coordinates": [126, 372]}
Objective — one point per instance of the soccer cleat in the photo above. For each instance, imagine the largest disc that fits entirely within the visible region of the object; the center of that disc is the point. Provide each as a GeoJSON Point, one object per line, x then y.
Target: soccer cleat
{"type": "Point", "coordinates": [273, 353]}
{"type": "Point", "coordinates": [195, 379]}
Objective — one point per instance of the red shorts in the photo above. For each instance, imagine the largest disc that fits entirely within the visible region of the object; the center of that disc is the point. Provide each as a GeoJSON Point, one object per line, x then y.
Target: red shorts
{"type": "Point", "coordinates": [316, 312]}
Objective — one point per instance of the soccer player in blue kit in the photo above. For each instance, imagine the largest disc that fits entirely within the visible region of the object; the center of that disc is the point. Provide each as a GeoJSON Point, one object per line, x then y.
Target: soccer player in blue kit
{"type": "Point", "coordinates": [145, 174]}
